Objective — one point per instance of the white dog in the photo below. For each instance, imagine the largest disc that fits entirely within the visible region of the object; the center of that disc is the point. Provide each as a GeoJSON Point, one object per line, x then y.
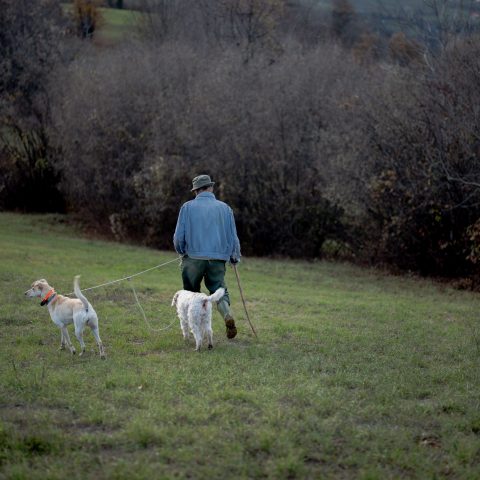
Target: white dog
{"type": "Point", "coordinates": [64, 310]}
{"type": "Point", "coordinates": [195, 313]}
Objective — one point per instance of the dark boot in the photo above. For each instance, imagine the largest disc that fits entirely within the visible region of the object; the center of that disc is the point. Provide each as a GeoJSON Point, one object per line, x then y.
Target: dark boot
{"type": "Point", "coordinates": [230, 326]}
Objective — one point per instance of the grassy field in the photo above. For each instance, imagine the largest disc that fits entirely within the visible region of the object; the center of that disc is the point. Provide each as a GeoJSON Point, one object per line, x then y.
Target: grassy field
{"type": "Point", "coordinates": [120, 24]}
{"type": "Point", "coordinates": [116, 24]}
{"type": "Point", "coordinates": [355, 374]}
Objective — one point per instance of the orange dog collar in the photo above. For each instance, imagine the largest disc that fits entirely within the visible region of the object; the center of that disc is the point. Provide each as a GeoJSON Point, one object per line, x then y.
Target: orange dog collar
{"type": "Point", "coordinates": [48, 297]}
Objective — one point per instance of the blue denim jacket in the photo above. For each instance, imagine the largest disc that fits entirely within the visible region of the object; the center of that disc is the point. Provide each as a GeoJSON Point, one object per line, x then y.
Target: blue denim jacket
{"type": "Point", "coordinates": [206, 229]}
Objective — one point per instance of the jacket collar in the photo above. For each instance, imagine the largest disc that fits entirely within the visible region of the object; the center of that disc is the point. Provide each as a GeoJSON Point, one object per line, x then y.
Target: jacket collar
{"type": "Point", "coordinates": [205, 195]}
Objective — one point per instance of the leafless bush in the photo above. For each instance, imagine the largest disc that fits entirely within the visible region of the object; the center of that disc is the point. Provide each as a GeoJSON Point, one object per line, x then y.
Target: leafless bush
{"type": "Point", "coordinates": [131, 146]}
{"type": "Point", "coordinates": [116, 112]}
{"type": "Point", "coordinates": [417, 189]}
{"type": "Point", "coordinates": [32, 43]}
{"type": "Point", "coordinates": [86, 17]}
{"type": "Point", "coordinates": [248, 25]}
{"type": "Point", "coordinates": [436, 24]}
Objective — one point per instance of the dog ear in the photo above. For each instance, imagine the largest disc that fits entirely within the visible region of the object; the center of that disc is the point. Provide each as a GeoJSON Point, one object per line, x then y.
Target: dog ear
{"type": "Point", "coordinates": [41, 284]}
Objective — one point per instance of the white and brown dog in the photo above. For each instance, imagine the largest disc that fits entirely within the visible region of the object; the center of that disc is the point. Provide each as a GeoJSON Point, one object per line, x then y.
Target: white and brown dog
{"type": "Point", "coordinates": [64, 310]}
{"type": "Point", "coordinates": [195, 313]}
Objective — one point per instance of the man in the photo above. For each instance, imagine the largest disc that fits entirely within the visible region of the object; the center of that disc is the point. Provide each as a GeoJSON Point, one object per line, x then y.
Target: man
{"type": "Point", "coordinates": [206, 236]}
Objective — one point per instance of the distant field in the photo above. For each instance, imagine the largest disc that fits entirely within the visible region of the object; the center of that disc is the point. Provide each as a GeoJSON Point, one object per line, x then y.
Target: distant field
{"type": "Point", "coordinates": [355, 374]}
{"type": "Point", "coordinates": [117, 23]}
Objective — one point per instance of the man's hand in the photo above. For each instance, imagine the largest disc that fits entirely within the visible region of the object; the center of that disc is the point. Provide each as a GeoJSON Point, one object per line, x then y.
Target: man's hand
{"type": "Point", "coordinates": [234, 261]}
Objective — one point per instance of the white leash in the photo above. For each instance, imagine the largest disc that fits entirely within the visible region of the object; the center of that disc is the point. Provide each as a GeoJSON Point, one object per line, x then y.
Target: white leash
{"type": "Point", "coordinates": [135, 292]}
{"type": "Point", "coordinates": [143, 313]}
{"type": "Point", "coordinates": [126, 278]}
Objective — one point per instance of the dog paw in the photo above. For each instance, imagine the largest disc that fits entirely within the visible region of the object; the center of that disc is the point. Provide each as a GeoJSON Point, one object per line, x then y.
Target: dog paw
{"type": "Point", "coordinates": [210, 346]}
{"type": "Point", "coordinates": [103, 356]}
{"type": "Point", "coordinates": [62, 347]}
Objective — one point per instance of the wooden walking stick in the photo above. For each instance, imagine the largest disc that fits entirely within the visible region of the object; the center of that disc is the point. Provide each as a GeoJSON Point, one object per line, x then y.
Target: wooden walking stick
{"type": "Point", "coordinates": [243, 298]}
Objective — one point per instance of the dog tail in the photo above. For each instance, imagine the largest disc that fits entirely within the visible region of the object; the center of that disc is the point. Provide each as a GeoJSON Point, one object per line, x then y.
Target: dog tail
{"type": "Point", "coordinates": [78, 293]}
{"type": "Point", "coordinates": [217, 295]}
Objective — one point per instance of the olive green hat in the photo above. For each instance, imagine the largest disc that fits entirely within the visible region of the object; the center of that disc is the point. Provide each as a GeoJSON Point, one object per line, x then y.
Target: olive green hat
{"type": "Point", "coordinates": [202, 181]}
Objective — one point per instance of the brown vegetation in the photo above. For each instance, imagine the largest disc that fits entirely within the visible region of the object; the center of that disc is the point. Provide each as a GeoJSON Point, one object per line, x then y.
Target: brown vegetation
{"type": "Point", "coordinates": [369, 144]}
{"type": "Point", "coordinates": [86, 17]}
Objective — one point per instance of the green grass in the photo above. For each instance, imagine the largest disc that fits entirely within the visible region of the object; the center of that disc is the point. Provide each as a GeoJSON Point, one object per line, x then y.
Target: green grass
{"type": "Point", "coordinates": [355, 374]}
{"type": "Point", "coordinates": [116, 24]}
{"type": "Point", "coordinates": [119, 24]}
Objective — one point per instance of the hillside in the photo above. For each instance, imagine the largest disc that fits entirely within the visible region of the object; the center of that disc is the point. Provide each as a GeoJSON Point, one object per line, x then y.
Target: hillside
{"type": "Point", "coordinates": [355, 374]}
{"type": "Point", "coordinates": [387, 16]}
{"type": "Point", "coordinates": [383, 16]}
{"type": "Point", "coordinates": [116, 24]}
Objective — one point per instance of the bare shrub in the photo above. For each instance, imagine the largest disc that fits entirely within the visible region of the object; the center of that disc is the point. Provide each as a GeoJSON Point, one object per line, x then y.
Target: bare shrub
{"type": "Point", "coordinates": [32, 42]}
{"type": "Point", "coordinates": [404, 51]}
{"type": "Point", "coordinates": [248, 25]}
{"type": "Point", "coordinates": [117, 112]}
{"type": "Point", "coordinates": [418, 185]}
{"type": "Point", "coordinates": [86, 17]}
{"type": "Point", "coordinates": [131, 147]}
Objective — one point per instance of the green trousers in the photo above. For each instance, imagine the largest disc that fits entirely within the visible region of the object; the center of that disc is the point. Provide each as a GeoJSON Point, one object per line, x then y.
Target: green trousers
{"type": "Point", "coordinates": [213, 274]}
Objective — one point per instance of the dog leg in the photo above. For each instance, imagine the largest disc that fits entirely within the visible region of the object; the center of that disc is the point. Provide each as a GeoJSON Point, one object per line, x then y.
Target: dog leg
{"type": "Point", "coordinates": [66, 336]}
{"type": "Point", "coordinates": [198, 338]}
{"type": "Point", "coordinates": [210, 337]}
{"type": "Point", "coordinates": [101, 348]}
{"type": "Point", "coordinates": [185, 330]}
{"type": "Point", "coordinates": [79, 335]}
{"type": "Point", "coordinates": [62, 341]}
